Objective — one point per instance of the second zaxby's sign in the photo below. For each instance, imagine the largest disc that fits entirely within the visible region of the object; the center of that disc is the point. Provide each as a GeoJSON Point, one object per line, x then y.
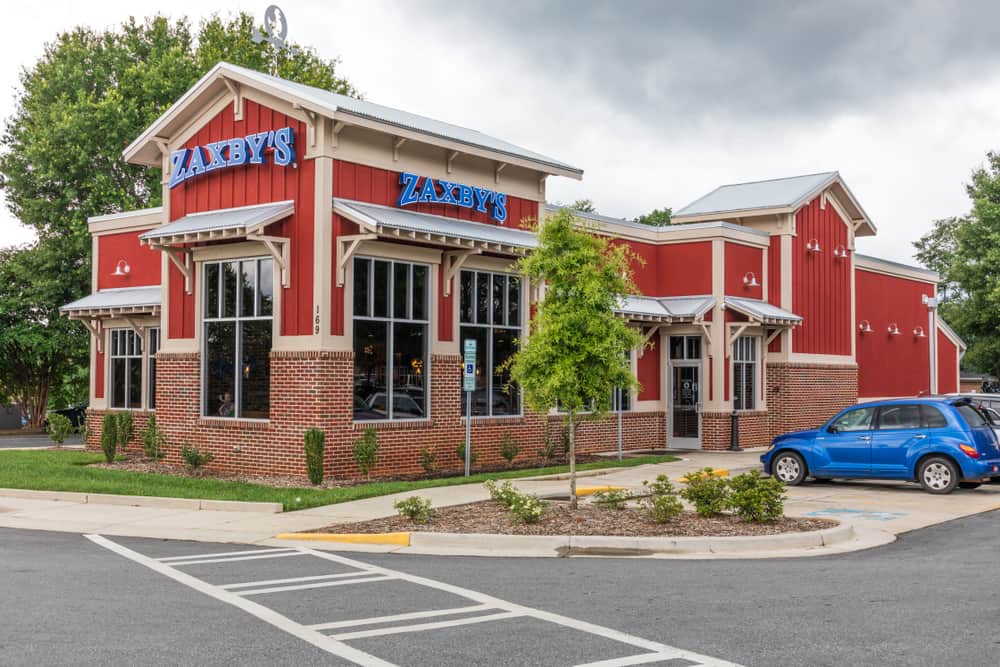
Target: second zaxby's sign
{"type": "Point", "coordinates": [438, 191]}
{"type": "Point", "coordinates": [187, 163]}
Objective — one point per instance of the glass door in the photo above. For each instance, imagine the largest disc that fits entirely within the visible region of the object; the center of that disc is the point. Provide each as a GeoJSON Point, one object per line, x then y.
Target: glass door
{"type": "Point", "coordinates": [684, 424]}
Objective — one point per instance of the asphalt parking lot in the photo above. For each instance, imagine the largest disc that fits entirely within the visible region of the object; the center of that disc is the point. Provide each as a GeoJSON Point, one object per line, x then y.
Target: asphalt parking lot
{"type": "Point", "coordinates": [36, 441]}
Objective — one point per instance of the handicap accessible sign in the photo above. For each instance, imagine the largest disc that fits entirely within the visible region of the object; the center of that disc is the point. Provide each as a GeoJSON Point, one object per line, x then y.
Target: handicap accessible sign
{"type": "Point", "coordinates": [469, 369]}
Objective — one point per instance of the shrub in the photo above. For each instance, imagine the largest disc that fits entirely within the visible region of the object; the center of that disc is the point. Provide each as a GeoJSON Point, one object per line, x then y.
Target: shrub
{"type": "Point", "coordinates": [366, 451]}
{"type": "Point", "coordinates": [415, 508]}
{"type": "Point", "coordinates": [612, 499]}
{"type": "Point", "coordinates": [314, 441]}
{"type": "Point", "coordinates": [124, 429]}
{"type": "Point", "coordinates": [194, 457]}
{"type": "Point", "coordinates": [153, 439]}
{"type": "Point", "coordinates": [548, 450]}
{"type": "Point", "coordinates": [755, 498]}
{"type": "Point", "coordinates": [708, 493]}
{"type": "Point", "coordinates": [109, 437]}
{"type": "Point", "coordinates": [427, 459]}
{"type": "Point", "coordinates": [661, 503]}
{"type": "Point", "coordinates": [84, 428]}
{"type": "Point", "coordinates": [505, 494]}
{"type": "Point", "coordinates": [508, 448]}
{"type": "Point", "coordinates": [461, 453]}
{"type": "Point", "coordinates": [528, 509]}
{"type": "Point", "coordinates": [59, 427]}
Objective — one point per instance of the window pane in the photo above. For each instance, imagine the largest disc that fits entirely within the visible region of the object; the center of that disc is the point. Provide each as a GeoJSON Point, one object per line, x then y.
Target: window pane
{"type": "Point", "coordinates": [248, 287]}
{"type": "Point", "coordinates": [265, 294]}
{"type": "Point", "coordinates": [134, 383]}
{"type": "Point", "coordinates": [118, 383]}
{"type": "Point", "coordinates": [362, 267]}
{"type": "Point", "coordinates": [381, 289]}
{"type": "Point", "coordinates": [211, 290]}
{"type": "Point", "coordinates": [220, 376]}
{"type": "Point", "coordinates": [855, 420]}
{"type": "Point", "coordinates": [400, 290]}
{"type": "Point", "coordinates": [899, 417]}
{"type": "Point", "coordinates": [483, 298]}
{"type": "Point", "coordinates": [933, 417]}
{"type": "Point", "coordinates": [504, 399]}
{"type": "Point", "coordinates": [971, 415]}
{"type": "Point", "coordinates": [229, 289]}
{"type": "Point", "coordinates": [514, 301]}
{"type": "Point", "coordinates": [480, 399]}
{"type": "Point", "coordinates": [677, 347]}
{"type": "Point", "coordinates": [694, 347]}
{"type": "Point", "coordinates": [151, 379]}
{"type": "Point", "coordinates": [468, 302]}
{"type": "Point", "coordinates": [499, 295]}
{"type": "Point", "coordinates": [419, 292]}
{"type": "Point", "coordinates": [129, 343]}
{"type": "Point", "coordinates": [370, 370]}
{"type": "Point", "coordinates": [255, 369]}
{"type": "Point", "coordinates": [409, 371]}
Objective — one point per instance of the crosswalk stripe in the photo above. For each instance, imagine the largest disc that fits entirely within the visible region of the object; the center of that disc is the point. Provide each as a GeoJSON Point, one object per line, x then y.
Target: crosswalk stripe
{"type": "Point", "coordinates": [413, 615]}
{"type": "Point", "coordinates": [420, 627]}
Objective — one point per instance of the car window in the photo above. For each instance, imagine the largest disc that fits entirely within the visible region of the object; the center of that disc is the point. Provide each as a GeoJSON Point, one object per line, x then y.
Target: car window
{"type": "Point", "coordinates": [971, 415]}
{"type": "Point", "coordinates": [898, 417]}
{"type": "Point", "coordinates": [855, 420]}
{"type": "Point", "coordinates": [933, 418]}
{"type": "Point", "coordinates": [992, 416]}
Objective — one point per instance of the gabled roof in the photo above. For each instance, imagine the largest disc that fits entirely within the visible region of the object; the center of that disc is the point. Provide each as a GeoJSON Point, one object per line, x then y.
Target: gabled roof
{"type": "Point", "coordinates": [666, 309]}
{"type": "Point", "coordinates": [217, 225]}
{"type": "Point", "coordinates": [950, 333]}
{"type": "Point", "coordinates": [762, 311]}
{"type": "Point", "coordinates": [116, 302]}
{"type": "Point", "coordinates": [774, 196]}
{"type": "Point", "coordinates": [338, 107]}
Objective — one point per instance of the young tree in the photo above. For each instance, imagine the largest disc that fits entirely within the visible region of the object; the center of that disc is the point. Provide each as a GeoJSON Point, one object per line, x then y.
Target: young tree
{"type": "Point", "coordinates": [658, 217]}
{"type": "Point", "coordinates": [576, 353]}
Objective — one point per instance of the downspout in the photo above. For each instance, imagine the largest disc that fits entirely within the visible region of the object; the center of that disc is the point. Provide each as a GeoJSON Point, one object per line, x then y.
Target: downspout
{"type": "Point", "coordinates": [932, 304]}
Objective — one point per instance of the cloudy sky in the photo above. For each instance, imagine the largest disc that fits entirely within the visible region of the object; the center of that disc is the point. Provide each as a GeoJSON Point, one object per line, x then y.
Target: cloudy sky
{"type": "Point", "coordinates": [659, 102]}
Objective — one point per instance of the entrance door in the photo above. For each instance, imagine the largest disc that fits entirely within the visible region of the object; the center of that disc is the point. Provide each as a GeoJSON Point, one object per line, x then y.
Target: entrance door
{"type": "Point", "coordinates": [685, 405]}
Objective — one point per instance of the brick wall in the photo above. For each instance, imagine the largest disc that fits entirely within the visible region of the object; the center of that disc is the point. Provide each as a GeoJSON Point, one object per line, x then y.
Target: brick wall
{"type": "Point", "coordinates": [803, 396]}
{"type": "Point", "coordinates": [95, 420]}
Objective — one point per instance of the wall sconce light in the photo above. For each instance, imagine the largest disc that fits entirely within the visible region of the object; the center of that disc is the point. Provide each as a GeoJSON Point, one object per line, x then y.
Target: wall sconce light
{"type": "Point", "coordinates": [750, 279]}
{"type": "Point", "coordinates": [865, 326]}
{"type": "Point", "coordinates": [122, 268]}
{"type": "Point", "coordinates": [840, 252]}
{"type": "Point", "coordinates": [893, 329]}
{"type": "Point", "coordinates": [918, 332]}
{"type": "Point", "coordinates": [812, 245]}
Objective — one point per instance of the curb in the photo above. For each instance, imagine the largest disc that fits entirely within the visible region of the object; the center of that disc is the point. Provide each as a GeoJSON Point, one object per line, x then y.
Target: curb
{"type": "Point", "coordinates": [591, 490]}
{"type": "Point", "coordinates": [193, 504]}
{"type": "Point", "coordinates": [398, 539]}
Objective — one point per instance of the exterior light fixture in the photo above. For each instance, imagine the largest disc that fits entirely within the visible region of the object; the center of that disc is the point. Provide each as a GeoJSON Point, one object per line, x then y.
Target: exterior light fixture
{"type": "Point", "coordinates": [122, 268]}
{"type": "Point", "coordinates": [812, 245]}
{"type": "Point", "coordinates": [840, 252]}
{"type": "Point", "coordinates": [750, 279]}
{"type": "Point", "coordinates": [918, 332]}
{"type": "Point", "coordinates": [865, 326]}
{"type": "Point", "coordinates": [893, 329]}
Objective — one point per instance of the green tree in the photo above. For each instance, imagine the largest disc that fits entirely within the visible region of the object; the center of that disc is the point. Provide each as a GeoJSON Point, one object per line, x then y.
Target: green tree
{"type": "Point", "coordinates": [577, 351]}
{"type": "Point", "coordinates": [658, 217]}
{"type": "Point", "coordinates": [938, 250]}
{"type": "Point", "coordinates": [583, 206]}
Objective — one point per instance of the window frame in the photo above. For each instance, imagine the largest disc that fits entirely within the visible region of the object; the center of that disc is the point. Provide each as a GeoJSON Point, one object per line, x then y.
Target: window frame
{"type": "Point", "coordinates": [877, 422]}
{"type": "Point", "coordinates": [737, 361]}
{"type": "Point", "coordinates": [148, 368]}
{"type": "Point", "coordinates": [129, 359]}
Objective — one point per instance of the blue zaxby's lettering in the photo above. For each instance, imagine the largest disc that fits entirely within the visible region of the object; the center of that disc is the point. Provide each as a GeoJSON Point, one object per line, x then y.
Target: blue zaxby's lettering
{"type": "Point", "coordinates": [187, 163]}
{"type": "Point", "coordinates": [438, 191]}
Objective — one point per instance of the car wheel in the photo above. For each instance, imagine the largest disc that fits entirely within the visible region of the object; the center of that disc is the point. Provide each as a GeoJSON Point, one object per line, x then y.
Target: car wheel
{"type": "Point", "coordinates": [938, 475]}
{"type": "Point", "coordinates": [969, 485]}
{"type": "Point", "coordinates": [789, 468]}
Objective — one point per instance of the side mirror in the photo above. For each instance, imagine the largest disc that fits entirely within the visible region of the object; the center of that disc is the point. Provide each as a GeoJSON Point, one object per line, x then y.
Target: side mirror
{"type": "Point", "coordinates": [833, 429]}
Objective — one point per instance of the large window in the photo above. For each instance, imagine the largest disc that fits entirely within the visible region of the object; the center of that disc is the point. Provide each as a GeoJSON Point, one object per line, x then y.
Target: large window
{"type": "Point", "coordinates": [151, 350]}
{"type": "Point", "coordinates": [390, 339]}
{"type": "Point", "coordinates": [745, 373]}
{"type": "Point", "coordinates": [126, 369]}
{"type": "Point", "coordinates": [490, 314]}
{"type": "Point", "coordinates": [238, 313]}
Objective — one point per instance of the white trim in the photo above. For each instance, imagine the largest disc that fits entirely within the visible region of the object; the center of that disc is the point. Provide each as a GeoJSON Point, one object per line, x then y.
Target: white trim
{"type": "Point", "coordinates": [895, 269]}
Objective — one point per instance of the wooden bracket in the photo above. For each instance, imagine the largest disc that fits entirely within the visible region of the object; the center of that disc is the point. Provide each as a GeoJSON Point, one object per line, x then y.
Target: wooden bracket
{"type": "Point", "coordinates": [139, 331]}
{"type": "Point", "coordinates": [453, 261]}
{"type": "Point", "coordinates": [707, 330]}
{"type": "Point", "coordinates": [496, 172]}
{"type": "Point", "coordinates": [181, 257]}
{"type": "Point", "coordinates": [397, 143]}
{"type": "Point", "coordinates": [541, 185]}
{"type": "Point", "coordinates": [346, 247]}
{"type": "Point", "coordinates": [645, 339]}
{"type": "Point", "coordinates": [280, 249]}
{"type": "Point", "coordinates": [337, 127]}
{"type": "Point", "coordinates": [774, 334]}
{"type": "Point", "coordinates": [234, 88]}
{"type": "Point", "coordinates": [451, 158]}
{"type": "Point", "coordinates": [96, 329]}
{"type": "Point", "coordinates": [736, 333]}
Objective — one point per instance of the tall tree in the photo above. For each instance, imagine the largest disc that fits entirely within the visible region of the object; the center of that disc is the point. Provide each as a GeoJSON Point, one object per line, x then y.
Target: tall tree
{"type": "Point", "coordinates": [583, 206]}
{"type": "Point", "coordinates": [576, 354]}
{"type": "Point", "coordinates": [938, 250]}
{"type": "Point", "coordinates": [658, 217]}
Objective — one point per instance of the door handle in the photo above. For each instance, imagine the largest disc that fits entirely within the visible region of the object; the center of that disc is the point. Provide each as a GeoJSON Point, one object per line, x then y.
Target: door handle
{"type": "Point", "coordinates": [920, 436]}
{"type": "Point", "coordinates": [866, 438]}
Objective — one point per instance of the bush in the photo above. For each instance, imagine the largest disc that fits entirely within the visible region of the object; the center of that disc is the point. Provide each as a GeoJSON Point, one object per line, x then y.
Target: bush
{"type": "Point", "coordinates": [124, 429]}
{"type": "Point", "coordinates": [194, 457]}
{"type": "Point", "coordinates": [153, 439]}
{"type": "Point", "coordinates": [612, 499]}
{"type": "Point", "coordinates": [59, 427]}
{"type": "Point", "coordinates": [548, 450]}
{"type": "Point", "coordinates": [366, 451]}
{"type": "Point", "coordinates": [508, 448]}
{"type": "Point", "coordinates": [755, 498]}
{"type": "Point", "coordinates": [315, 441]}
{"type": "Point", "coordinates": [109, 437]}
{"type": "Point", "coordinates": [415, 508]}
{"type": "Point", "coordinates": [427, 459]}
{"type": "Point", "coordinates": [709, 494]}
{"type": "Point", "coordinates": [84, 428]}
{"type": "Point", "coordinates": [661, 503]}
{"type": "Point", "coordinates": [528, 509]}
{"type": "Point", "coordinates": [461, 453]}
{"type": "Point", "coordinates": [504, 494]}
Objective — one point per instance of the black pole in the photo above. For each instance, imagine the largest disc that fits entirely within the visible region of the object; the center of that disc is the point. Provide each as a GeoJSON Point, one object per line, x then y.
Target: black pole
{"type": "Point", "coordinates": [734, 433]}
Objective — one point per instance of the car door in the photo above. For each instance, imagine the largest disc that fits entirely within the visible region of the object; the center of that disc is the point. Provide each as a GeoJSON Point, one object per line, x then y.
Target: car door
{"type": "Point", "coordinates": [898, 429]}
{"type": "Point", "coordinates": [847, 443]}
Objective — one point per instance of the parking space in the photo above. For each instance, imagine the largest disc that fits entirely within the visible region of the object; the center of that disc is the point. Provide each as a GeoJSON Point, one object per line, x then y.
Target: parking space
{"type": "Point", "coordinates": [378, 616]}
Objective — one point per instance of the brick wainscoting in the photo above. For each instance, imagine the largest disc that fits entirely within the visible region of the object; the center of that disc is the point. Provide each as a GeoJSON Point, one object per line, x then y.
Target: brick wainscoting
{"type": "Point", "coordinates": [803, 396]}
{"type": "Point", "coordinates": [95, 420]}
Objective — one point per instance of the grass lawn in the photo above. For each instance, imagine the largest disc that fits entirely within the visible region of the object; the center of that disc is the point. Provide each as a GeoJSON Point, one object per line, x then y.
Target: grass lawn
{"type": "Point", "coordinates": [69, 471]}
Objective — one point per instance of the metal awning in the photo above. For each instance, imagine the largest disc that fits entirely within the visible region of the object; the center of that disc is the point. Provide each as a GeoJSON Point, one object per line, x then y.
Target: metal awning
{"type": "Point", "coordinates": [762, 311]}
{"type": "Point", "coordinates": [116, 303]}
{"type": "Point", "coordinates": [666, 309]}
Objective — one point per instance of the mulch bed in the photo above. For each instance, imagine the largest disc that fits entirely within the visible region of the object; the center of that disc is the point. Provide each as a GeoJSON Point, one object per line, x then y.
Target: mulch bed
{"type": "Point", "coordinates": [489, 517]}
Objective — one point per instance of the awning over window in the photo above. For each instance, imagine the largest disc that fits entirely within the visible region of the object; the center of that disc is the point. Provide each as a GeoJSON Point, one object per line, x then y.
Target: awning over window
{"type": "Point", "coordinates": [116, 303]}
{"type": "Point", "coordinates": [227, 223]}
{"type": "Point", "coordinates": [763, 312]}
{"type": "Point", "coordinates": [666, 309]}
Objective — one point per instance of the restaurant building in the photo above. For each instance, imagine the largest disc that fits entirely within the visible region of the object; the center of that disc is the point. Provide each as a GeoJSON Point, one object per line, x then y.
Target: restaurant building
{"type": "Point", "coordinates": [318, 261]}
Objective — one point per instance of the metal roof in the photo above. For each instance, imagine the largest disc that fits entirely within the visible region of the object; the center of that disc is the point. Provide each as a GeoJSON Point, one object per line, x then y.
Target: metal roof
{"type": "Point", "coordinates": [433, 228]}
{"type": "Point", "coordinates": [666, 229]}
{"type": "Point", "coordinates": [223, 223]}
{"type": "Point", "coordinates": [130, 299]}
{"type": "Point", "coordinates": [909, 267]}
{"type": "Point", "coordinates": [666, 308]}
{"type": "Point", "coordinates": [775, 193]}
{"type": "Point", "coordinates": [763, 311]}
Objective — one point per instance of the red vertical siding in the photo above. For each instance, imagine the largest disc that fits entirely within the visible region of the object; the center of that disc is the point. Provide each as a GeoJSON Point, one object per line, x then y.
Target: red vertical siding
{"type": "Point", "coordinates": [244, 186]}
{"type": "Point", "coordinates": [774, 282]}
{"type": "Point", "coordinates": [99, 376]}
{"type": "Point", "coordinates": [684, 269]}
{"type": "Point", "coordinates": [144, 264]}
{"type": "Point", "coordinates": [444, 306]}
{"type": "Point", "coordinates": [821, 283]}
{"type": "Point", "coordinates": [891, 365]}
{"type": "Point", "coordinates": [947, 364]}
{"type": "Point", "coordinates": [741, 260]}
{"type": "Point", "coordinates": [648, 372]}
{"type": "Point", "coordinates": [644, 267]}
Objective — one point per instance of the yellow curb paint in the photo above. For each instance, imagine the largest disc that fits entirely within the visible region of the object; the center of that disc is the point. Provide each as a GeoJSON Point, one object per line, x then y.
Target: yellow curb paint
{"type": "Point", "coordinates": [590, 490]}
{"type": "Point", "coordinates": [721, 472]}
{"type": "Point", "coordinates": [400, 539]}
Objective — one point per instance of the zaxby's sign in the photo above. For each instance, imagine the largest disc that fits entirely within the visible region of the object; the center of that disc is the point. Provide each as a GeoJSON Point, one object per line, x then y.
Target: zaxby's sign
{"type": "Point", "coordinates": [187, 163]}
{"type": "Point", "coordinates": [438, 191]}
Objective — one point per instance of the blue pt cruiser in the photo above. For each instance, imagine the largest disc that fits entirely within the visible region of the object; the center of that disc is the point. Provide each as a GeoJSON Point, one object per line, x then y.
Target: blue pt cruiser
{"type": "Point", "coordinates": [940, 442]}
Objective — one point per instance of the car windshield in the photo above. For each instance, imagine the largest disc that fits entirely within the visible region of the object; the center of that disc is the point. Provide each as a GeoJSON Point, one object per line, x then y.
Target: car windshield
{"type": "Point", "coordinates": [972, 416]}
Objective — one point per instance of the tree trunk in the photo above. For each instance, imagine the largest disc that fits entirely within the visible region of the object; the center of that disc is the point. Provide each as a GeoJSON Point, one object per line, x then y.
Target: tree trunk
{"type": "Point", "coordinates": [572, 462]}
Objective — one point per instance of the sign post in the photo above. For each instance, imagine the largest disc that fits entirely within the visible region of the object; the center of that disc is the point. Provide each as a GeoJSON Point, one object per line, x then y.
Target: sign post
{"type": "Point", "coordinates": [469, 385]}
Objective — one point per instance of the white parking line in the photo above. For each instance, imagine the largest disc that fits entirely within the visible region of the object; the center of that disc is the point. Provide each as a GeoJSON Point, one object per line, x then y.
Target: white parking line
{"type": "Point", "coordinates": [364, 579]}
{"type": "Point", "coordinates": [292, 580]}
{"type": "Point", "coordinates": [233, 560]}
{"type": "Point", "coordinates": [411, 616]}
{"type": "Point", "coordinates": [419, 627]}
{"type": "Point", "coordinates": [641, 659]}
{"type": "Point", "coordinates": [222, 554]}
